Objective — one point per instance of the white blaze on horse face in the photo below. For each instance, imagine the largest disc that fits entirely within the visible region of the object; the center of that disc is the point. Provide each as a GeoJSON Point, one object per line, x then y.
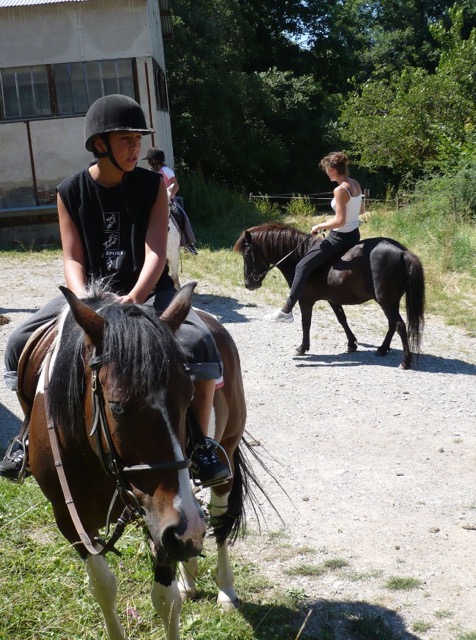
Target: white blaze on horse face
{"type": "Point", "coordinates": [185, 502]}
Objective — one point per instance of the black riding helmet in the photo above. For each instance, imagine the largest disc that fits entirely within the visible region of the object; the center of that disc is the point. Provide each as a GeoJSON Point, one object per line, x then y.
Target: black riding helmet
{"type": "Point", "coordinates": [110, 113]}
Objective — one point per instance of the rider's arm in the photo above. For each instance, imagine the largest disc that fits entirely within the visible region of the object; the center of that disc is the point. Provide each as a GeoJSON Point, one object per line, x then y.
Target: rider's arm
{"type": "Point", "coordinates": [173, 186]}
{"type": "Point", "coordinates": [74, 263]}
{"type": "Point", "coordinates": [338, 220]}
{"type": "Point", "coordinates": [155, 249]}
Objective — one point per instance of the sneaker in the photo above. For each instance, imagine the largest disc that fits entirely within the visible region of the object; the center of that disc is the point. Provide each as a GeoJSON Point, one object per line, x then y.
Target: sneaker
{"type": "Point", "coordinates": [279, 316]}
{"type": "Point", "coordinates": [12, 465]}
{"type": "Point", "coordinates": [206, 466]}
{"type": "Point", "coordinates": [191, 248]}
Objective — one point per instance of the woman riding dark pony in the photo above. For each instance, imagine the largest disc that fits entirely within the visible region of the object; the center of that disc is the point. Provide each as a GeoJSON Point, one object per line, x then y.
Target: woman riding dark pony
{"type": "Point", "coordinates": [379, 269]}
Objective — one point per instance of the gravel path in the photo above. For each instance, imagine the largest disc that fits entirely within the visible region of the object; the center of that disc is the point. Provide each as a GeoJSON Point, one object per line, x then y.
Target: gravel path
{"type": "Point", "coordinates": [379, 464]}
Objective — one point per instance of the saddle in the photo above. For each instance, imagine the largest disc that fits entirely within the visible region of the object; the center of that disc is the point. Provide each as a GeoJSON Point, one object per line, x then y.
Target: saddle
{"type": "Point", "coordinates": [31, 359]}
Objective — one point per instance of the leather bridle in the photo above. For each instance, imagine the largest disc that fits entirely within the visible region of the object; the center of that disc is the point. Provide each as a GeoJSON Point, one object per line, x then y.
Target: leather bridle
{"type": "Point", "coordinates": [110, 461]}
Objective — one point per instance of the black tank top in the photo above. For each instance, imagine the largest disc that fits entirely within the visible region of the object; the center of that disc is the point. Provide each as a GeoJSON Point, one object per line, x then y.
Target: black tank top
{"type": "Point", "coordinates": [112, 224]}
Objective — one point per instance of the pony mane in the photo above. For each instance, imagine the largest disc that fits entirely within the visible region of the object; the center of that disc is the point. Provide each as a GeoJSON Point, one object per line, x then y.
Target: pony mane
{"type": "Point", "coordinates": [138, 351]}
{"type": "Point", "coordinates": [274, 239]}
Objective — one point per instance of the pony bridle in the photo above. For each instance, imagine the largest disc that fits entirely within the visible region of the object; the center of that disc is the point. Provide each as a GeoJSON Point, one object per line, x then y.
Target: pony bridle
{"type": "Point", "coordinates": [259, 276]}
{"type": "Point", "coordinates": [107, 452]}
{"type": "Point", "coordinates": [111, 463]}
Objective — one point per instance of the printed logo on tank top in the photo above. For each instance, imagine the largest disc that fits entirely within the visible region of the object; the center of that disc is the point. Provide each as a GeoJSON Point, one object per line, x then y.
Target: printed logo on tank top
{"type": "Point", "coordinates": [113, 255]}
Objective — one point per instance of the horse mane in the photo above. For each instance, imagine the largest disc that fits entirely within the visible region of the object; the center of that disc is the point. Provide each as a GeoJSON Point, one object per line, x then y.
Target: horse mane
{"type": "Point", "coordinates": [275, 239]}
{"type": "Point", "coordinates": [138, 350]}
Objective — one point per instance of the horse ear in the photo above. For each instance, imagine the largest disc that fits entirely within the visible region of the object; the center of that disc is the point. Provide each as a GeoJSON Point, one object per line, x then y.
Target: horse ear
{"type": "Point", "coordinates": [178, 309]}
{"type": "Point", "coordinates": [89, 320]}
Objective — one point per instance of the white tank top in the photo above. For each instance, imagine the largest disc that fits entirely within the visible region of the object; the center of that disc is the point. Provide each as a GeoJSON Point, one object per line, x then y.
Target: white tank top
{"type": "Point", "coordinates": [352, 210]}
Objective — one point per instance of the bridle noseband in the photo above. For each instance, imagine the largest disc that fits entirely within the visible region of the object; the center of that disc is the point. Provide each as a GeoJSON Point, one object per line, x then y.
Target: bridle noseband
{"type": "Point", "coordinates": [110, 461]}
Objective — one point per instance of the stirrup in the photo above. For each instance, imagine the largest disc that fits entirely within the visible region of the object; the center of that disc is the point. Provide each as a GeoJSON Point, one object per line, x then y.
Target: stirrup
{"type": "Point", "coordinates": [24, 471]}
{"type": "Point", "coordinates": [196, 481]}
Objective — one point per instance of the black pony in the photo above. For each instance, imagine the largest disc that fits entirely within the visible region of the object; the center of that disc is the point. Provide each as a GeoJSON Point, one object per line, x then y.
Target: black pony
{"type": "Point", "coordinates": [378, 269]}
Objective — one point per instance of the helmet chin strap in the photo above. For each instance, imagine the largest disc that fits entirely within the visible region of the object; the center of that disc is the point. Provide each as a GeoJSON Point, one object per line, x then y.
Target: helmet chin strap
{"type": "Point", "coordinates": [109, 154]}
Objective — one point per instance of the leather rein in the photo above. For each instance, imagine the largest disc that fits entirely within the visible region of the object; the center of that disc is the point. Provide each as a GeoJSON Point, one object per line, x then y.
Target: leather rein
{"type": "Point", "coordinates": [110, 461]}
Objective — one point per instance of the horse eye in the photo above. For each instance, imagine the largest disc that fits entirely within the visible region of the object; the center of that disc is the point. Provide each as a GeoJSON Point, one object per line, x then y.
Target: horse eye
{"type": "Point", "coordinates": [117, 408]}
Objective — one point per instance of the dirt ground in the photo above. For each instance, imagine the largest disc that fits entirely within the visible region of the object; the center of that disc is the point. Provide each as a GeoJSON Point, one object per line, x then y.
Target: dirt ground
{"type": "Point", "coordinates": [378, 464]}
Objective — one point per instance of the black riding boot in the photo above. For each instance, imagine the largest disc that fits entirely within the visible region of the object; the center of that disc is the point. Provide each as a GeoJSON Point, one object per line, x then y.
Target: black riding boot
{"type": "Point", "coordinates": [207, 468]}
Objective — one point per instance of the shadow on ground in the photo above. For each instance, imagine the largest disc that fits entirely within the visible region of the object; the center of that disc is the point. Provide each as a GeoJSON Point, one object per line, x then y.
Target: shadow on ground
{"type": "Point", "coordinates": [326, 620]}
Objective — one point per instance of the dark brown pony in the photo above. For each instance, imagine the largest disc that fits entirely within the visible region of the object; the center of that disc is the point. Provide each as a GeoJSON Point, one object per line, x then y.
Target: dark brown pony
{"type": "Point", "coordinates": [107, 396]}
{"type": "Point", "coordinates": [378, 269]}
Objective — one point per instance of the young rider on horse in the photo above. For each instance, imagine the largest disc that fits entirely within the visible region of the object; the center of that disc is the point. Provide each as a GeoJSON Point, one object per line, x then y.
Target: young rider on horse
{"type": "Point", "coordinates": [156, 159]}
{"type": "Point", "coordinates": [113, 220]}
{"type": "Point", "coordinates": [348, 205]}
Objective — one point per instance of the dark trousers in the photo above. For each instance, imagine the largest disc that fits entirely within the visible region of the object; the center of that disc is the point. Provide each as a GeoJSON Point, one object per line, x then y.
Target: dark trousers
{"type": "Point", "coordinates": [318, 253]}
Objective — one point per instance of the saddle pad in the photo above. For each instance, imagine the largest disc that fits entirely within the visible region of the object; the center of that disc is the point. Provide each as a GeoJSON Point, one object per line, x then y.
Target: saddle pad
{"type": "Point", "coordinates": [31, 358]}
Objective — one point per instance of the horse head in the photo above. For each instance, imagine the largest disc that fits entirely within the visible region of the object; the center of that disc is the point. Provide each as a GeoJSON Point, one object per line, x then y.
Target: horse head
{"type": "Point", "coordinates": [135, 400]}
{"type": "Point", "coordinates": [255, 264]}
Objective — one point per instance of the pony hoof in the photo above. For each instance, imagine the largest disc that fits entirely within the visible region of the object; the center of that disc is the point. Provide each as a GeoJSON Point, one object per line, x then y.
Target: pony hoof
{"type": "Point", "coordinates": [381, 352]}
{"type": "Point", "coordinates": [187, 594]}
{"type": "Point", "coordinates": [229, 605]}
{"type": "Point", "coordinates": [300, 351]}
{"type": "Point", "coordinates": [405, 366]}
{"type": "Point", "coordinates": [351, 348]}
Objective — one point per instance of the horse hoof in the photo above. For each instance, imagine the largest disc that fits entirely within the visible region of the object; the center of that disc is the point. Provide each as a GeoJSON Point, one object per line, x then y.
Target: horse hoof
{"type": "Point", "coordinates": [381, 352]}
{"type": "Point", "coordinates": [351, 348]}
{"type": "Point", "coordinates": [300, 351]}
{"type": "Point", "coordinates": [229, 605]}
{"type": "Point", "coordinates": [405, 366]}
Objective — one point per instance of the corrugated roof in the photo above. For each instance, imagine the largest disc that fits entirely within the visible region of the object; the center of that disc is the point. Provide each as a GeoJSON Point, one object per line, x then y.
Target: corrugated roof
{"type": "Point", "coordinates": [27, 3]}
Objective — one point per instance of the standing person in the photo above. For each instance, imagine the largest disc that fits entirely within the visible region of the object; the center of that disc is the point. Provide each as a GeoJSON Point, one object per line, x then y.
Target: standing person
{"type": "Point", "coordinates": [348, 204]}
{"type": "Point", "coordinates": [156, 159]}
{"type": "Point", "coordinates": [113, 221]}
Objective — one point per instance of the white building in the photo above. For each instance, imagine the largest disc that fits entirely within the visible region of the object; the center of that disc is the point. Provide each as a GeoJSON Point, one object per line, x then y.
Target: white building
{"type": "Point", "coordinates": [56, 58]}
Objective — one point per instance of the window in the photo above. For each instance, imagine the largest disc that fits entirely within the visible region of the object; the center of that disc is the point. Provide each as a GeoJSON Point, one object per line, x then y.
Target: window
{"type": "Point", "coordinates": [160, 88]}
{"type": "Point", "coordinates": [24, 92]}
{"type": "Point", "coordinates": [62, 89]}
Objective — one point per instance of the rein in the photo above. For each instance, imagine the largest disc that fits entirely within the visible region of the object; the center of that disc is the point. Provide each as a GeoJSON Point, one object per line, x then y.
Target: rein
{"type": "Point", "coordinates": [259, 276]}
{"type": "Point", "coordinates": [110, 461]}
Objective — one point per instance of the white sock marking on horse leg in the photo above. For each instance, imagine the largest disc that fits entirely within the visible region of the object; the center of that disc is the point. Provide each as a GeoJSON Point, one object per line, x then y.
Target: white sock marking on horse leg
{"type": "Point", "coordinates": [103, 585]}
{"type": "Point", "coordinates": [188, 572]}
{"type": "Point", "coordinates": [227, 597]}
{"type": "Point", "coordinates": [168, 603]}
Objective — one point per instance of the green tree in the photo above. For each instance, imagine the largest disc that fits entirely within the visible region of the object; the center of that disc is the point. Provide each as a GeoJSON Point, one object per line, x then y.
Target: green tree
{"type": "Point", "coordinates": [416, 120]}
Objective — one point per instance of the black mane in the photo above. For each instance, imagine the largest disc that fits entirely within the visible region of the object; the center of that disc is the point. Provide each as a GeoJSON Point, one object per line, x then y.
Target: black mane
{"type": "Point", "coordinates": [138, 349]}
{"type": "Point", "coordinates": [275, 240]}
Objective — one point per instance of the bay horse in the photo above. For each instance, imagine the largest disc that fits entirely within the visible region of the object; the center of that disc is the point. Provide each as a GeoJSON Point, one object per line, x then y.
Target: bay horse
{"type": "Point", "coordinates": [106, 394]}
{"type": "Point", "coordinates": [379, 269]}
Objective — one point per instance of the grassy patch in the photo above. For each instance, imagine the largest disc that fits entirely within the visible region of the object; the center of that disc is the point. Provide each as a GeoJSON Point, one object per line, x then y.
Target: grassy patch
{"type": "Point", "coordinates": [398, 583]}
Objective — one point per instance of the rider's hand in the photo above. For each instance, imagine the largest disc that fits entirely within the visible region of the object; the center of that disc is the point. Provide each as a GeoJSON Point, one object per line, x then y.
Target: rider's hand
{"type": "Point", "coordinates": [127, 299]}
{"type": "Point", "coordinates": [316, 229]}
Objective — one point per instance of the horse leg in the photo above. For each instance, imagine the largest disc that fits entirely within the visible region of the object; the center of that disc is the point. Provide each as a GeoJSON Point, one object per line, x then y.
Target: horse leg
{"type": "Point", "coordinates": [227, 598]}
{"type": "Point", "coordinates": [167, 600]}
{"type": "Point", "coordinates": [306, 318]}
{"type": "Point", "coordinates": [342, 320]}
{"type": "Point", "coordinates": [188, 572]}
{"type": "Point", "coordinates": [103, 586]}
{"type": "Point", "coordinates": [396, 323]}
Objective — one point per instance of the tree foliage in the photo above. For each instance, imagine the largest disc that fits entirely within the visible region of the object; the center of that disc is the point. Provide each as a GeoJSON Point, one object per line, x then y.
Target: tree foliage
{"type": "Point", "coordinates": [261, 89]}
{"type": "Point", "coordinates": [417, 120]}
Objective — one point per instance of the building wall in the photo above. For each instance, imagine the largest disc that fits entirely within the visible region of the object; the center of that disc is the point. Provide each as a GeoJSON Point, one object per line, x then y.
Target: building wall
{"type": "Point", "coordinates": [73, 32]}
